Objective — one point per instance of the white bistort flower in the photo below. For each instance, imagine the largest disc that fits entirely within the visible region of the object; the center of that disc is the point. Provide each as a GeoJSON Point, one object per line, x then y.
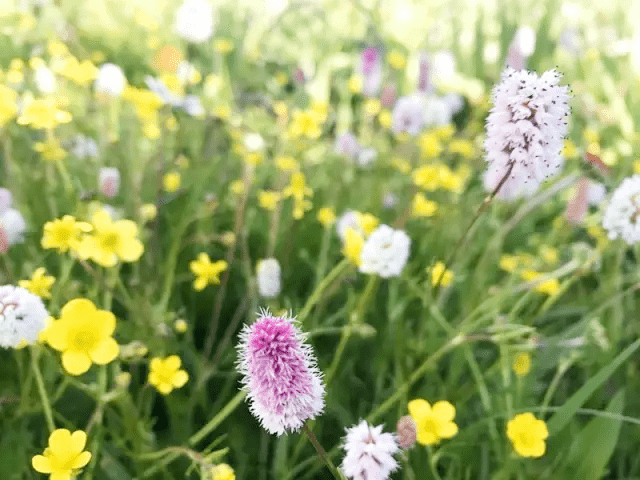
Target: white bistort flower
{"type": "Point", "coordinates": [84, 147]}
{"type": "Point", "coordinates": [194, 21]}
{"type": "Point", "coordinates": [109, 181]}
{"type": "Point", "coordinates": [12, 228]}
{"type": "Point", "coordinates": [385, 252]}
{"type": "Point", "coordinates": [525, 132]}
{"type": "Point", "coordinates": [111, 80]}
{"type": "Point", "coordinates": [408, 114]}
{"type": "Point", "coordinates": [22, 316]}
{"type": "Point", "coordinates": [622, 216]}
{"type": "Point", "coordinates": [5, 200]}
{"type": "Point", "coordinates": [268, 273]}
{"type": "Point", "coordinates": [369, 453]}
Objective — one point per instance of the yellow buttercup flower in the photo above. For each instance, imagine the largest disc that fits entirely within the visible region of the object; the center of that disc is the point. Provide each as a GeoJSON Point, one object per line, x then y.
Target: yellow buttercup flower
{"type": "Point", "coordinates": [39, 284]}
{"type": "Point", "coordinates": [355, 84]}
{"type": "Point", "coordinates": [146, 102]}
{"type": "Point", "coordinates": [171, 181]}
{"type": "Point", "coordinates": [433, 423]}
{"type": "Point", "coordinates": [63, 233]}
{"type": "Point", "coordinates": [237, 187]}
{"type": "Point", "coordinates": [64, 457]}
{"type": "Point", "coordinates": [385, 118]}
{"type": "Point", "coordinates": [269, 199]}
{"type": "Point", "coordinates": [528, 435]}
{"type": "Point", "coordinates": [206, 272]}
{"type": "Point", "coordinates": [368, 222]}
{"type": "Point", "coordinates": [461, 147]}
{"type": "Point", "coordinates": [8, 105]}
{"type": "Point", "coordinates": [84, 336]}
{"type": "Point", "coordinates": [509, 263]}
{"type": "Point", "coordinates": [422, 207]}
{"type": "Point", "coordinates": [299, 190]}
{"type": "Point", "coordinates": [438, 271]}
{"type": "Point", "coordinates": [352, 248]}
{"type": "Point", "coordinates": [427, 177]}
{"type": "Point", "coordinates": [430, 145]}
{"type": "Point", "coordinates": [222, 472]}
{"type": "Point", "coordinates": [51, 150]}
{"type": "Point", "coordinates": [223, 46]}
{"type": "Point", "coordinates": [522, 364]}
{"type": "Point", "coordinates": [43, 113]}
{"type": "Point", "coordinates": [286, 163]}
{"type": "Point", "coordinates": [80, 73]}
{"type": "Point", "coordinates": [165, 374]}
{"type": "Point", "coordinates": [372, 107]}
{"type": "Point", "coordinates": [550, 287]}
{"type": "Point", "coordinates": [180, 325]}
{"type": "Point", "coordinates": [326, 216]}
{"type": "Point", "coordinates": [148, 212]}
{"type": "Point", "coordinates": [396, 59]}
{"type": "Point", "coordinates": [304, 123]}
{"type": "Point", "coordinates": [569, 150]}
{"type": "Point", "coordinates": [111, 241]}
{"type": "Point", "coordinates": [549, 254]}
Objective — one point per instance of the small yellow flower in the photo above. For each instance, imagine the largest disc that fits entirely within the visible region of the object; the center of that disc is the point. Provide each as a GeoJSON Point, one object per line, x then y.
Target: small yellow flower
{"type": "Point", "coordinates": [422, 207]}
{"type": "Point", "coordinates": [228, 238]}
{"type": "Point", "coordinates": [80, 73]}
{"type": "Point", "coordinates": [636, 163]}
{"type": "Point", "coordinates": [268, 199]}
{"type": "Point", "coordinates": [438, 271]}
{"type": "Point", "coordinates": [151, 130]}
{"type": "Point", "coordinates": [222, 472]}
{"type": "Point", "coordinates": [237, 187]}
{"type": "Point", "coordinates": [50, 150]}
{"type": "Point", "coordinates": [549, 254]}
{"type": "Point", "coordinates": [461, 147]}
{"type": "Point", "coordinates": [352, 248]}
{"type": "Point", "coordinates": [444, 132]}
{"type": "Point", "coordinates": [8, 105]}
{"type": "Point", "coordinates": [110, 241]}
{"type": "Point", "coordinates": [84, 336]}
{"type": "Point", "coordinates": [591, 136]}
{"type": "Point", "coordinates": [372, 107]}
{"type": "Point", "coordinates": [282, 78]}
{"type": "Point", "coordinates": [180, 325]}
{"type": "Point", "coordinates": [43, 114]}
{"type": "Point", "coordinates": [355, 84]}
{"type": "Point", "coordinates": [396, 59]}
{"type": "Point", "coordinates": [551, 286]}
{"type": "Point", "coordinates": [171, 181]}
{"type": "Point", "coordinates": [286, 163]}
{"type": "Point", "coordinates": [165, 374]}
{"type": "Point", "coordinates": [304, 123]}
{"type": "Point", "coordinates": [594, 149]}
{"type": "Point", "coordinates": [64, 457]}
{"type": "Point", "coordinates": [171, 124]}
{"type": "Point", "coordinates": [223, 112]}
{"type": "Point", "coordinates": [385, 118]}
{"type": "Point", "coordinates": [326, 216]}
{"type": "Point", "coordinates": [253, 158]}
{"type": "Point", "coordinates": [39, 284]}
{"type": "Point", "coordinates": [430, 145]}
{"type": "Point", "coordinates": [509, 263]}
{"type": "Point", "coordinates": [528, 435]}
{"type": "Point", "coordinates": [148, 212]}
{"type": "Point", "coordinates": [63, 233]}
{"type": "Point", "coordinates": [223, 46]}
{"type": "Point", "coordinates": [206, 272]}
{"type": "Point", "coordinates": [146, 102]}
{"type": "Point", "coordinates": [368, 222]}
{"type": "Point", "coordinates": [569, 150]}
{"type": "Point", "coordinates": [320, 110]}
{"type": "Point", "coordinates": [427, 177]}
{"type": "Point", "coordinates": [522, 364]}
{"type": "Point", "coordinates": [433, 423]}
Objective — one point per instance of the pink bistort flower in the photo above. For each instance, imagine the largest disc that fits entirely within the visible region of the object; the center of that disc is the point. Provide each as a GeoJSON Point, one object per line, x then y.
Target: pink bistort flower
{"type": "Point", "coordinates": [283, 384]}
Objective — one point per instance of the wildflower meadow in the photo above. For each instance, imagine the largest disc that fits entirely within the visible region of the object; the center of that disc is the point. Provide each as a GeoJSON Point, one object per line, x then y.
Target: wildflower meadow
{"type": "Point", "coordinates": [319, 239]}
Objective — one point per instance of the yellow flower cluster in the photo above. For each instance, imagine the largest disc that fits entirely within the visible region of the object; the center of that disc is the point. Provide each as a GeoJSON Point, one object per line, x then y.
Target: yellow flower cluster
{"type": "Point", "coordinates": [299, 191]}
{"type": "Point", "coordinates": [439, 176]}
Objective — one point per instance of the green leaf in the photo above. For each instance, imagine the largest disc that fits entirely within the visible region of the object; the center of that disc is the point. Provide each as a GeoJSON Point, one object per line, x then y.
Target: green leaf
{"type": "Point", "coordinates": [563, 416]}
{"type": "Point", "coordinates": [593, 447]}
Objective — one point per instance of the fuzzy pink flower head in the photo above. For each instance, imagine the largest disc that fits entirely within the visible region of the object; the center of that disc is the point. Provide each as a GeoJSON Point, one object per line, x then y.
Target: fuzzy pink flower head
{"type": "Point", "coordinates": [280, 374]}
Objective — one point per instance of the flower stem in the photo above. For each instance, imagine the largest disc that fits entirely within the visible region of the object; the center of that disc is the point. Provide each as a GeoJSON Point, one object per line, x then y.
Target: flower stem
{"type": "Point", "coordinates": [321, 452]}
{"type": "Point", "coordinates": [46, 405]}
{"type": "Point", "coordinates": [322, 286]}
{"type": "Point", "coordinates": [217, 420]}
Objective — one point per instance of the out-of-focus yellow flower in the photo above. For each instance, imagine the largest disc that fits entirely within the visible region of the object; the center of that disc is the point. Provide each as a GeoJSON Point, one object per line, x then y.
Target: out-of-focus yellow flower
{"type": "Point", "coordinates": [8, 105]}
{"type": "Point", "coordinates": [123, 379]}
{"type": "Point", "coordinates": [326, 216]}
{"type": "Point", "coordinates": [401, 164]}
{"type": "Point", "coordinates": [549, 254]}
{"type": "Point", "coordinates": [148, 212]}
{"type": "Point", "coordinates": [594, 149]}
{"type": "Point", "coordinates": [305, 124]}
{"type": "Point", "coordinates": [171, 181]}
{"type": "Point", "coordinates": [63, 233]}
{"type": "Point", "coordinates": [146, 21]}
{"type": "Point", "coordinates": [222, 472]}
{"type": "Point", "coordinates": [180, 325]}
{"type": "Point", "coordinates": [355, 84]}
{"type": "Point", "coordinates": [228, 238]}
{"type": "Point", "coordinates": [444, 132]}
{"type": "Point", "coordinates": [569, 150]}
{"type": "Point", "coordinates": [591, 136]}
{"type": "Point", "coordinates": [433, 423]}
{"type": "Point", "coordinates": [146, 102]}
{"type": "Point", "coordinates": [151, 130]}
{"type": "Point", "coordinates": [453, 182]}
{"type": "Point", "coordinates": [422, 207]}
{"type": "Point", "coordinates": [282, 78]}
{"type": "Point", "coordinates": [522, 364]}
{"type": "Point", "coordinates": [609, 157]}
{"type": "Point", "coordinates": [430, 145]}
{"type": "Point", "coordinates": [253, 158]}
{"type": "Point", "coordinates": [84, 336]}
{"type": "Point", "coordinates": [352, 248]}
{"type": "Point", "coordinates": [439, 271]}
{"type": "Point", "coordinates": [80, 73]}
{"type": "Point", "coordinates": [551, 286]}
{"type": "Point", "coordinates": [182, 161]}
{"type": "Point", "coordinates": [171, 124]}
{"type": "Point", "coordinates": [268, 199]}
{"type": "Point", "coordinates": [15, 74]}
{"type": "Point", "coordinates": [396, 59]}
{"type": "Point", "coordinates": [43, 114]}
{"type": "Point", "coordinates": [462, 147]}
{"type": "Point", "coordinates": [636, 166]}
{"type": "Point", "coordinates": [206, 271]}
{"type": "Point", "coordinates": [320, 110]}
{"type": "Point", "coordinates": [97, 56]}
{"type": "Point", "coordinates": [237, 187]}
{"type": "Point", "coordinates": [509, 263]}
{"type": "Point", "coordinates": [528, 435]}
{"type": "Point", "coordinates": [372, 107]}
{"type": "Point", "coordinates": [57, 49]}
{"type": "Point", "coordinates": [64, 457]}
{"type": "Point", "coordinates": [223, 46]}
{"type": "Point", "coordinates": [299, 190]}
{"type": "Point", "coordinates": [427, 177]}
{"type": "Point", "coordinates": [165, 374]}
{"type": "Point", "coordinates": [286, 163]}
{"type": "Point", "coordinates": [368, 222]}
{"type": "Point", "coordinates": [385, 118]}
{"type": "Point", "coordinates": [39, 284]}
{"type": "Point", "coordinates": [51, 150]}
{"type": "Point", "coordinates": [212, 85]}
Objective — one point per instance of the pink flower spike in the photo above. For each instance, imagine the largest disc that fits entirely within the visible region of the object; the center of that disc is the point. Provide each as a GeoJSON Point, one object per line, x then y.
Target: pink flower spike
{"type": "Point", "coordinates": [280, 374]}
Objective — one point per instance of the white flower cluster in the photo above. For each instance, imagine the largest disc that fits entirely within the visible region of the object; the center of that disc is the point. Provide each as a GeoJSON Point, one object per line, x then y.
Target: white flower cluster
{"type": "Point", "coordinates": [525, 132]}
{"type": "Point", "coordinates": [22, 316]}
{"type": "Point", "coordinates": [12, 224]}
{"type": "Point", "coordinates": [622, 216]}
{"type": "Point", "coordinates": [268, 273]}
{"type": "Point", "coordinates": [369, 453]}
{"type": "Point", "coordinates": [111, 80]}
{"type": "Point", "coordinates": [385, 252]}
{"type": "Point", "coordinates": [194, 21]}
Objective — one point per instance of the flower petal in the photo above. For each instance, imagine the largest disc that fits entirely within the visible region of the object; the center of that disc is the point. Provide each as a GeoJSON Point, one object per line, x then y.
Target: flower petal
{"type": "Point", "coordinates": [444, 411]}
{"type": "Point", "coordinates": [75, 363]}
{"type": "Point", "coordinates": [82, 460]}
{"type": "Point", "coordinates": [419, 408]}
{"type": "Point", "coordinates": [41, 464]}
{"type": "Point", "coordinates": [448, 430]}
{"type": "Point", "coordinates": [106, 351]}
{"type": "Point", "coordinates": [180, 378]}
{"type": "Point", "coordinates": [78, 441]}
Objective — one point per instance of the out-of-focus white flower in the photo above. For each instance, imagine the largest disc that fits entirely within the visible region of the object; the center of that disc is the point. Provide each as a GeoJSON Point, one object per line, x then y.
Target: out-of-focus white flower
{"type": "Point", "coordinates": [268, 274]}
{"type": "Point", "coordinates": [369, 453]}
{"type": "Point", "coordinates": [525, 40]}
{"type": "Point", "coordinates": [253, 142]}
{"type": "Point", "coordinates": [194, 21]}
{"type": "Point", "coordinates": [22, 316]}
{"type": "Point", "coordinates": [622, 216]}
{"type": "Point", "coordinates": [408, 115]}
{"type": "Point", "coordinates": [347, 144]}
{"type": "Point", "coordinates": [444, 65]}
{"type": "Point", "coordinates": [390, 200]}
{"type": "Point", "coordinates": [84, 147]}
{"type": "Point", "coordinates": [349, 219]}
{"type": "Point", "coordinates": [158, 87]}
{"type": "Point", "coordinates": [186, 72]}
{"type": "Point", "coordinates": [192, 105]}
{"type": "Point", "coordinates": [596, 193]}
{"type": "Point", "coordinates": [454, 101]}
{"type": "Point", "coordinates": [45, 80]}
{"type": "Point", "coordinates": [111, 80]}
{"type": "Point", "coordinates": [366, 156]}
{"type": "Point", "coordinates": [525, 132]}
{"type": "Point", "coordinates": [12, 228]}
{"type": "Point", "coordinates": [437, 111]}
{"type": "Point", "coordinates": [385, 252]}
{"type": "Point", "coordinates": [109, 181]}
{"type": "Point", "coordinates": [5, 200]}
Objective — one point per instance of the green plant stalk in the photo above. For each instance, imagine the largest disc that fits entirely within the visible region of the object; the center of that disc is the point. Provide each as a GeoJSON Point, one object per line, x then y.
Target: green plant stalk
{"type": "Point", "coordinates": [319, 290]}
{"type": "Point", "coordinates": [218, 419]}
{"type": "Point", "coordinates": [553, 386]}
{"type": "Point", "coordinates": [321, 452]}
{"type": "Point", "coordinates": [96, 419]}
{"type": "Point", "coordinates": [44, 399]}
